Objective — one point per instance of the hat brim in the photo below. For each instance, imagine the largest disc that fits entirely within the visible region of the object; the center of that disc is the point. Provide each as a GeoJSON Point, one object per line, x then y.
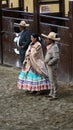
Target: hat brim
{"type": "Point", "coordinates": [55, 39]}
{"type": "Point", "coordinates": [26, 25]}
{"type": "Point", "coordinates": [17, 25]}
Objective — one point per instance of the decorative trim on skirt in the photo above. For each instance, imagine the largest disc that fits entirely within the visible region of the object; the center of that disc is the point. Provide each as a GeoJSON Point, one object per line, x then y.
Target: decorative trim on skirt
{"type": "Point", "coordinates": [32, 81]}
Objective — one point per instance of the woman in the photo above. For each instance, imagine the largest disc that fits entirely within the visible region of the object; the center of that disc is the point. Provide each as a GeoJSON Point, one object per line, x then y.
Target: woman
{"type": "Point", "coordinates": [34, 76]}
{"type": "Point", "coordinates": [51, 60]}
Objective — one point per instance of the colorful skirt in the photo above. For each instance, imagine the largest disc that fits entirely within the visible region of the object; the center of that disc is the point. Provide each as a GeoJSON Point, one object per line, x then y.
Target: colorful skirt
{"type": "Point", "coordinates": [32, 81]}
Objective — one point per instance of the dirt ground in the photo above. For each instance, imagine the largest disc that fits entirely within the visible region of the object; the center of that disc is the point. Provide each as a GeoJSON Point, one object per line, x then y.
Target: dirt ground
{"type": "Point", "coordinates": [20, 110]}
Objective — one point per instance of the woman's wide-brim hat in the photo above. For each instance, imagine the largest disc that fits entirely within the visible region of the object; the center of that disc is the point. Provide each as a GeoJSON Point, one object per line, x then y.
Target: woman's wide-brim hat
{"type": "Point", "coordinates": [52, 36]}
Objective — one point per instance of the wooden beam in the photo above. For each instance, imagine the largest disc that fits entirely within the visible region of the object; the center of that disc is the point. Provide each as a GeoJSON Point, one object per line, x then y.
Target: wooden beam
{"type": "Point", "coordinates": [1, 44]}
{"type": "Point", "coordinates": [36, 15]}
{"type": "Point", "coordinates": [71, 37]}
{"type": "Point", "coordinates": [48, 2]}
{"type": "Point", "coordinates": [21, 4]}
{"type": "Point", "coordinates": [62, 7]}
{"type": "Point", "coordinates": [7, 1]}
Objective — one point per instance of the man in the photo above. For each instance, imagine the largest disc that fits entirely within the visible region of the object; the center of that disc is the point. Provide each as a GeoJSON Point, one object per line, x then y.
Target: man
{"type": "Point", "coordinates": [24, 40]}
{"type": "Point", "coordinates": [51, 60]}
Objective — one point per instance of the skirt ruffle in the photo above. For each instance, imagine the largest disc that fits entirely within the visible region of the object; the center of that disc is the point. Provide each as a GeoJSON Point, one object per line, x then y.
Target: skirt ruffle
{"type": "Point", "coordinates": [32, 81]}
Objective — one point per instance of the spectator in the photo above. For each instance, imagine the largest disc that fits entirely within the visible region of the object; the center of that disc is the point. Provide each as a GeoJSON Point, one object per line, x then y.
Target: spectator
{"type": "Point", "coordinates": [24, 39]}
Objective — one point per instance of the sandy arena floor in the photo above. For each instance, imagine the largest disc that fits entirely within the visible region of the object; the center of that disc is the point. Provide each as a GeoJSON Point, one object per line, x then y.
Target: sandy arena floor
{"type": "Point", "coordinates": [25, 111]}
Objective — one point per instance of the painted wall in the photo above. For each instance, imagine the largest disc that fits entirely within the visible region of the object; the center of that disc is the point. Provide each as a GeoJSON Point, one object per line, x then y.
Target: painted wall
{"type": "Point", "coordinates": [55, 7]}
{"type": "Point", "coordinates": [66, 7]}
{"type": "Point", "coordinates": [51, 8]}
{"type": "Point", "coordinates": [29, 3]}
{"type": "Point", "coordinates": [15, 3]}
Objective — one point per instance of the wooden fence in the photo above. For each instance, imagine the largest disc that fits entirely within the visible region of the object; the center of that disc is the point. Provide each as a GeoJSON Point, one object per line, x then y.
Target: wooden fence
{"type": "Point", "coordinates": [63, 26]}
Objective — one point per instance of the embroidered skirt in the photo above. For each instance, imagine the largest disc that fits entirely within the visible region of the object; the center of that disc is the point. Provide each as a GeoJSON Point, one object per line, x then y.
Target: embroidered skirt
{"type": "Point", "coordinates": [32, 81]}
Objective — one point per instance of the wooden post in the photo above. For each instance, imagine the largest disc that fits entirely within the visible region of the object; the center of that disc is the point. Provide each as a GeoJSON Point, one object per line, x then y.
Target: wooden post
{"type": "Point", "coordinates": [36, 16]}
{"type": "Point", "coordinates": [62, 7]}
{"type": "Point", "coordinates": [21, 4]}
{"type": "Point", "coordinates": [71, 37]}
{"type": "Point", "coordinates": [7, 1]}
{"type": "Point", "coordinates": [1, 44]}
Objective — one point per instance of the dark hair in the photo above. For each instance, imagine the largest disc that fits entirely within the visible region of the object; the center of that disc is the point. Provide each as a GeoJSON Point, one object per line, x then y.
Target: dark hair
{"type": "Point", "coordinates": [43, 44]}
{"type": "Point", "coordinates": [35, 35]}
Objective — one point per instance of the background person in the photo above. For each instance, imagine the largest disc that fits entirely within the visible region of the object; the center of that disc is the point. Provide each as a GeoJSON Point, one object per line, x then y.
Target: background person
{"type": "Point", "coordinates": [24, 39]}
